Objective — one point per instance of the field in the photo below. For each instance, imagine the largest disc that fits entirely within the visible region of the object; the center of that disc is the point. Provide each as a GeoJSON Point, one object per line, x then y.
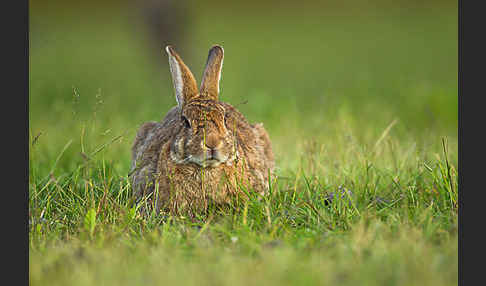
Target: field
{"type": "Point", "coordinates": [361, 107]}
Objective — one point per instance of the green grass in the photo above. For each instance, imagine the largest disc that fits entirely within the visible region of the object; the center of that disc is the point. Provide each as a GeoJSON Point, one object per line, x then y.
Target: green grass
{"type": "Point", "coordinates": [357, 99]}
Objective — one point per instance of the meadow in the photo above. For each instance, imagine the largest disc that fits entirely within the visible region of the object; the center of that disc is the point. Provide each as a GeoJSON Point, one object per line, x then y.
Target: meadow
{"type": "Point", "coordinates": [360, 103]}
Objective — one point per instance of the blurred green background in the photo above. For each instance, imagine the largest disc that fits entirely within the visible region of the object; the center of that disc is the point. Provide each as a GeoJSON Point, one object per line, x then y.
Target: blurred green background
{"type": "Point", "coordinates": [309, 70]}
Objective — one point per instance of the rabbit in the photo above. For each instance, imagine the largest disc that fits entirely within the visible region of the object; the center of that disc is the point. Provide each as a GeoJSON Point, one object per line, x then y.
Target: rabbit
{"type": "Point", "coordinates": [204, 151]}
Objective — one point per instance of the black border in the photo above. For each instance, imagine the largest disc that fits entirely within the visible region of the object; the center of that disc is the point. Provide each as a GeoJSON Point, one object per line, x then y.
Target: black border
{"type": "Point", "coordinates": [14, 22]}
{"type": "Point", "coordinates": [471, 78]}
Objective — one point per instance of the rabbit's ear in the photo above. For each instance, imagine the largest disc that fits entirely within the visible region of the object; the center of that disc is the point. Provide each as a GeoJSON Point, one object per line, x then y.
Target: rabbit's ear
{"type": "Point", "coordinates": [212, 73]}
{"type": "Point", "coordinates": [184, 83]}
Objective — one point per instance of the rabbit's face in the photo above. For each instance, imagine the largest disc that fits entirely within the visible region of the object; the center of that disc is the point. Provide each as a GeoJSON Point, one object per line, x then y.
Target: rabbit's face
{"type": "Point", "coordinates": [204, 138]}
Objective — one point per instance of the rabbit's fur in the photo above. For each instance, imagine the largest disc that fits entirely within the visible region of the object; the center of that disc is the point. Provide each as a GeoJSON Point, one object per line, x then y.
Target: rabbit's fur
{"type": "Point", "coordinates": [204, 150]}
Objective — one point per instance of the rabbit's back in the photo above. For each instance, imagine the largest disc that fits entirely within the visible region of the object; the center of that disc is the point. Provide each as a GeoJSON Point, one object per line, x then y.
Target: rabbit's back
{"type": "Point", "coordinates": [252, 141]}
{"type": "Point", "coordinates": [150, 138]}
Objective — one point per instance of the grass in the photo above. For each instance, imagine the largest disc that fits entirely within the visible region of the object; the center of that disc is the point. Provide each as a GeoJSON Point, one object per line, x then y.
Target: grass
{"type": "Point", "coordinates": [358, 101]}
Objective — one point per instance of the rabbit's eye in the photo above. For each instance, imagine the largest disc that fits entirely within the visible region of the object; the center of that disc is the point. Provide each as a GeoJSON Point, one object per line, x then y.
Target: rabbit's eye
{"type": "Point", "coordinates": [187, 124]}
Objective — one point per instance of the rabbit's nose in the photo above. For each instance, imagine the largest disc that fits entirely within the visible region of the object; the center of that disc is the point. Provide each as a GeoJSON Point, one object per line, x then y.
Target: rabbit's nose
{"type": "Point", "coordinates": [212, 141]}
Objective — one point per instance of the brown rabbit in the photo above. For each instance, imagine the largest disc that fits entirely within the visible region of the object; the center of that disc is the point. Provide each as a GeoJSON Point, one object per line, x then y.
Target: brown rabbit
{"type": "Point", "coordinates": [204, 150]}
